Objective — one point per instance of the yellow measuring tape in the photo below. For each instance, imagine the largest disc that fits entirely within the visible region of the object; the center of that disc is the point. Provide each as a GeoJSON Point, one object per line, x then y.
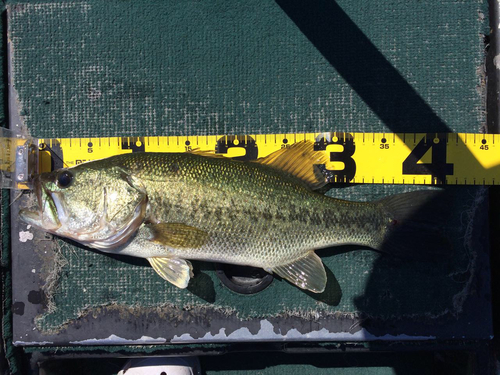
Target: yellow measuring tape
{"type": "Point", "coordinates": [382, 158]}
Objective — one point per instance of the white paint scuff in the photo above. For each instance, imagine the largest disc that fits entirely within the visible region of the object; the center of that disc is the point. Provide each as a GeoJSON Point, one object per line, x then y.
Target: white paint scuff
{"type": "Point", "coordinates": [496, 61]}
{"type": "Point", "coordinates": [34, 343]}
{"type": "Point", "coordinates": [117, 340]}
{"type": "Point", "coordinates": [266, 333]}
{"type": "Point", "coordinates": [25, 236]}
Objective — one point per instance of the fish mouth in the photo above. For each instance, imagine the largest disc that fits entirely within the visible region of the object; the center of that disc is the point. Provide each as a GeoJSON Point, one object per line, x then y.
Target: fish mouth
{"type": "Point", "coordinates": [49, 209]}
{"type": "Point", "coordinates": [54, 214]}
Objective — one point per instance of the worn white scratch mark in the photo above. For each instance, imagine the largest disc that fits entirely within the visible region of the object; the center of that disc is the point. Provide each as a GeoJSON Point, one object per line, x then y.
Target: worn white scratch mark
{"type": "Point", "coordinates": [25, 236]}
{"type": "Point", "coordinates": [117, 340]}
{"type": "Point", "coordinates": [267, 333]}
{"type": "Point", "coordinates": [27, 343]}
{"type": "Point", "coordinates": [496, 61]}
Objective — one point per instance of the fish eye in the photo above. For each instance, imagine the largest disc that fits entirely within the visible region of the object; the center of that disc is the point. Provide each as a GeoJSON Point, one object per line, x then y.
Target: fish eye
{"type": "Point", "coordinates": [64, 179]}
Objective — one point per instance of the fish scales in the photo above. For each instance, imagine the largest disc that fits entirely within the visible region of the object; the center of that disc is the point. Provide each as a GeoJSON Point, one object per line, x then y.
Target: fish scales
{"type": "Point", "coordinates": [172, 207]}
{"type": "Point", "coordinates": [255, 215]}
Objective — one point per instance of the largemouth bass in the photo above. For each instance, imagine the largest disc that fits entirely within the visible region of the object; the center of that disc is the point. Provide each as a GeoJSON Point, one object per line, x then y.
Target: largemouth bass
{"type": "Point", "coordinates": [169, 208]}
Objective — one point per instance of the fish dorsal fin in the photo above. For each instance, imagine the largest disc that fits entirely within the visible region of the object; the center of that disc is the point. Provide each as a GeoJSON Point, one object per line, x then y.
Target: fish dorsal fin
{"type": "Point", "coordinates": [176, 271]}
{"type": "Point", "coordinates": [178, 235]}
{"type": "Point", "coordinates": [207, 153]}
{"type": "Point", "coordinates": [301, 161]}
{"type": "Point", "coordinates": [307, 273]}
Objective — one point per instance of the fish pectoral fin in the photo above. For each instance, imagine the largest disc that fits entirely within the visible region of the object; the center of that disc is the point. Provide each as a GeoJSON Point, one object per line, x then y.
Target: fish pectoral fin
{"type": "Point", "coordinates": [176, 271]}
{"type": "Point", "coordinates": [301, 161]}
{"type": "Point", "coordinates": [307, 273]}
{"type": "Point", "coordinates": [178, 235]}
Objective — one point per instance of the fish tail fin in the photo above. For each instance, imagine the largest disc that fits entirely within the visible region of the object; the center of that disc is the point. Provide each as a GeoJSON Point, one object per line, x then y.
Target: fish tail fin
{"type": "Point", "coordinates": [417, 225]}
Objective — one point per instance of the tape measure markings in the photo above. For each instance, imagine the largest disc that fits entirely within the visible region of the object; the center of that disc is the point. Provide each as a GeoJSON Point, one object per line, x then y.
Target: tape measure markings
{"type": "Point", "coordinates": [402, 158]}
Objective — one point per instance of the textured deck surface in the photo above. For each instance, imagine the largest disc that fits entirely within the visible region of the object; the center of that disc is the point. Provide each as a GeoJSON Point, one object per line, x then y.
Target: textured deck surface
{"type": "Point", "coordinates": [92, 68]}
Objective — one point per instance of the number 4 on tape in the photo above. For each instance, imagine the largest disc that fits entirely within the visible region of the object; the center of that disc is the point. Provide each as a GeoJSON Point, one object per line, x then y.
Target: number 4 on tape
{"type": "Point", "coordinates": [438, 168]}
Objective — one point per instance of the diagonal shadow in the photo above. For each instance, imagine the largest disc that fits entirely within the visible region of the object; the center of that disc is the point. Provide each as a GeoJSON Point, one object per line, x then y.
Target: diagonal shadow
{"type": "Point", "coordinates": [398, 106]}
{"type": "Point", "coordinates": [370, 74]}
{"type": "Point", "coordinates": [362, 66]}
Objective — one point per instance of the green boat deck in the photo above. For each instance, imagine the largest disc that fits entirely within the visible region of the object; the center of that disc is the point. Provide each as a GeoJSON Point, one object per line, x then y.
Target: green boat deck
{"type": "Point", "coordinates": [138, 68]}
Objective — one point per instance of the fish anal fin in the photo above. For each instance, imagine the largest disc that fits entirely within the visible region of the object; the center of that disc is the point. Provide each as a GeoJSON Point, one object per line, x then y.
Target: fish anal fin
{"type": "Point", "coordinates": [178, 235]}
{"type": "Point", "coordinates": [301, 161]}
{"type": "Point", "coordinates": [307, 272]}
{"type": "Point", "coordinates": [175, 271]}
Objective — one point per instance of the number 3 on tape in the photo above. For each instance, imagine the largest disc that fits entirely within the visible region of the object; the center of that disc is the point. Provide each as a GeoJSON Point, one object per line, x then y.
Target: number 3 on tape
{"type": "Point", "coordinates": [345, 156]}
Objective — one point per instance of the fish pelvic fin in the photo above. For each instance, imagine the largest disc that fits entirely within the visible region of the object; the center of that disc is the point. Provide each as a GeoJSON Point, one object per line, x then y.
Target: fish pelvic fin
{"type": "Point", "coordinates": [307, 272]}
{"type": "Point", "coordinates": [416, 225]}
{"type": "Point", "coordinates": [175, 271]}
{"type": "Point", "coordinates": [178, 235]}
{"type": "Point", "coordinates": [301, 161]}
